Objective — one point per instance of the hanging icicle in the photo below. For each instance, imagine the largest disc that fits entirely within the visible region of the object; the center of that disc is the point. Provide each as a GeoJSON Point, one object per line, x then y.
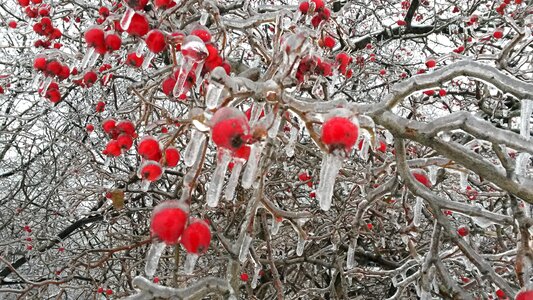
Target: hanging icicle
{"type": "Point", "coordinates": [417, 212]}
{"type": "Point", "coordinates": [192, 151]}
{"type": "Point", "coordinates": [463, 181]}
{"type": "Point", "coordinates": [249, 175]}
{"type": "Point", "coordinates": [212, 96]}
{"type": "Point", "coordinates": [289, 149]}
{"type": "Point", "coordinates": [276, 224]}
{"type": "Point", "coordinates": [217, 180]}
{"type": "Point", "coordinates": [331, 164]}
{"type": "Point", "coordinates": [190, 263]}
{"type": "Point", "coordinates": [233, 180]}
{"type": "Point", "coordinates": [153, 256]}
{"type": "Point", "coordinates": [350, 256]}
{"type": "Point", "coordinates": [245, 247]}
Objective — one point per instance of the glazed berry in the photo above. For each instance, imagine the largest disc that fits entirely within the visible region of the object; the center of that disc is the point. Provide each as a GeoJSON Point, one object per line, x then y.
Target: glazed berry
{"type": "Point", "coordinates": [168, 221]}
{"type": "Point", "coordinates": [172, 157]}
{"type": "Point", "coordinates": [339, 133]}
{"type": "Point", "coordinates": [196, 237]}
{"type": "Point", "coordinates": [149, 149]}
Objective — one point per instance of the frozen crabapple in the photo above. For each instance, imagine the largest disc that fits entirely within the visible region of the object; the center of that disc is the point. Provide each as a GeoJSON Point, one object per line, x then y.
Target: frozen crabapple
{"type": "Point", "coordinates": [113, 42]}
{"type": "Point", "coordinates": [109, 125]}
{"type": "Point", "coordinates": [139, 25]}
{"type": "Point", "coordinates": [168, 221]}
{"type": "Point", "coordinates": [125, 141]}
{"type": "Point", "coordinates": [229, 128]}
{"type": "Point", "coordinates": [431, 63]}
{"type": "Point", "coordinates": [89, 128]}
{"type": "Point", "coordinates": [463, 231]}
{"type": "Point", "coordinates": [150, 171]}
{"type": "Point", "coordinates": [134, 60]}
{"type": "Point", "coordinates": [127, 127]}
{"type": "Point", "coordinates": [155, 41]}
{"type": "Point", "coordinates": [196, 237]}
{"type": "Point", "coordinates": [244, 277]}
{"type": "Point", "coordinates": [90, 78]}
{"type": "Point", "coordinates": [524, 295]}
{"type": "Point", "coordinates": [149, 149]}
{"type": "Point", "coordinates": [421, 176]}
{"type": "Point", "coordinates": [100, 106]}
{"type": "Point", "coordinates": [112, 149]}
{"type": "Point", "coordinates": [339, 133]}
{"type": "Point", "coordinates": [172, 157]}
{"type": "Point", "coordinates": [202, 32]}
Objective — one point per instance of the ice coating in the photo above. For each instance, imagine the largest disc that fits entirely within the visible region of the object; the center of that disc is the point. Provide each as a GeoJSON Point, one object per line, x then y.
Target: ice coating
{"type": "Point", "coordinates": [217, 179]}
{"type": "Point", "coordinates": [152, 258]}
{"type": "Point", "coordinates": [194, 52]}
{"type": "Point", "coordinates": [289, 149]}
{"type": "Point", "coordinates": [193, 148]}
{"type": "Point", "coordinates": [233, 180]}
{"type": "Point", "coordinates": [331, 164]}
{"type": "Point", "coordinates": [417, 211]}
{"type": "Point", "coordinates": [249, 175]}
{"type": "Point", "coordinates": [190, 263]}
{"type": "Point", "coordinates": [245, 248]}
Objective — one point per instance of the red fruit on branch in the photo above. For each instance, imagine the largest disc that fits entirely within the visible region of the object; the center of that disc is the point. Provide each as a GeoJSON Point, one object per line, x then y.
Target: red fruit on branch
{"type": "Point", "coordinates": [196, 237]}
{"type": "Point", "coordinates": [339, 133]}
{"type": "Point", "coordinates": [12, 24]}
{"type": "Point", "coordinates": [139, 25]}
{"type": "Point", "coordinates": [498, 34]}
{"type": "Point", "coordinates": [230, 129]}
{"type": "Point", "coordinates": [500, 294]}
{"type": "Point", "coordinates": [126, 127]}
{"type": "Point", "coordinates": [108, 125]}
{"type": "Point", "coordinates": [525, 295]}
{"type": "Point", "coordinates": [89, 78]}
{"type": "Point", "coordinates": [303, 7]}
{"type": "Point", "coordinates": [431, 63]}
{"type": "Point", "coordinates": [149, 149]}
{"type": "Point", "coordinates": [112, 149]}
{"type": "Point", "coordinates": [442, 92]}
{"type": "Point", "coordinates": [100, 106]}
{"type": "Point", "coordinates": [463, 231]}
{"type": "Point", "coordinates": [172, 157]}
{"type": "Point", "coordinates": [155, 41]}
{"type": "Point", "coordinates": [95, 37]}
{"type": "Point", "coordinates": [113, 42]}
{"type": "Point", "coordinates": [401, 23]}
{"type": "Point", "coordinates": [168, 221]}
{"type": "Point", "coordinates": [329, 42]}
{"type": "Point", "coordinates": [150, 171]}
{"type": "Point", "coordinates": [125, 141]}
{"type": "Point", "coordinates": [421, 177]}
{"type": "Point", "coordinates": [244, 277]}
{"type": "Point", "coordinates": [133, 60]}
{"type": "Point", "coordinates": [203, 33]}
{"type": "Point", "coordinates": [89, 127]}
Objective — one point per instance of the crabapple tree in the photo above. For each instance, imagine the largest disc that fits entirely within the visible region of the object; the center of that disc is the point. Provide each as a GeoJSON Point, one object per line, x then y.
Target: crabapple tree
{"type": "Point", "coordinates": [266, 149]}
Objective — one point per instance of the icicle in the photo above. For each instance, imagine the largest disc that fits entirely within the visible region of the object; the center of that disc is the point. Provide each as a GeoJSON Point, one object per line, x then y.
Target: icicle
{"type": "Point", "coordinates": [203, 17]}
{"type": "Point", "coordinates": [389, 138]}
{"type": "Point", "coordinates": [145, 184]}
{"type": "Point", "coordinates": [245, 248]}
{"type": "Point", "coordinates": [190, 262]}
{"type": "Point", "coordinates": [233, 179]}
{"type": "Point", "coordinates": [125, 21]}
{"type": "Point", "coordinates": [433, 173]}
{"type": "Point", "coordinates": [36, 83]}
{"type": "Point", "coordinates": [212, 96]}
{"type": "Point", "coordinates": [152, 259]}
{"type": "Point", "coordinates": [147, 60]}
{"type": "Point", "coordinates": [394, 281]}
{"type": "Point", "coordinates": [273, 130]}
{"type": "Point", "coordinates": [289, 149]}
{"type": "Point", "coordinates": [93, 60]}
{"type": "Point", "coordinates": [331, 165]}
{"type": "Point", "coordinates": [350, 256]}
{"type": "Point", "coordinates": [525, 131]}
{"type": "Point", "coordinates": [257, 108]}
{"type": "Point", "coordinates": [364, 147]}
{"type": "Point", "coordinates": [301, 244]}
{"type": "Point", "coordinates": [463, 181]}
{"type": "Point", "coordinates": [276, 224]}
{"type": "Point", "coordinates": [194, 52]}
{"type": "Point", "coordinates": [257, 271]}
{"type": "Point", "coordinates": [87, 57]}
{"type": "Point", "coordinates": [417, 211]}
{"type": "Point", "coordinates": [193, 147]}
{"type": "Point", "coordinates": [140, 49]}
{"type": "Point", "coordinates": [217, 179]}
{"type": "Point", "coordinates": [46, 84]}
{"type": "Point", "coordinates": [248, 177]}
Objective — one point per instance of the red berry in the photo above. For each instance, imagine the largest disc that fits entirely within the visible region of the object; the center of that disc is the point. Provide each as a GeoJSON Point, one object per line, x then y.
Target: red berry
{"type": "Point", "coordinates": [100, 290]}
{"type": "Point", "coordinates": [463, 231]}
{"type": "Point", "coordinates": [230, 128]}
{"type": "Point", "coordinates": [90, 78]}
{"type": "Point", "coordinates": [168, 221]}
{"type": "Point", "coordinates": [421, 177]}
{"type": "Point", "coordinates": [163, 3]}
{"type": "Point", "coordinates": [112, 149]}
{"type": "Point", "coordinates": [242, 153]}
{"type": "Point", "coordinates": [339, 133]}
{"type": "Point", "coordinates": [442, 92]}
{"type": "Point", "coordinates": [156, 279]}
{"type": "Point", "coordinates": [12, 24]}
{"type": "Point", "coordinates": [109, 292]}
{"type": "Point", "coordinates": [100, 106]}
{"type": "Point", "coordinates": [108, 125]}
{"type": "Point", "coordinates": [498, 34]}
{"type": "Point", "coordinates": [89, 127]}
{"type": "Point", "coordinates": [196, 237]}
{"type": "Point", "coordinates": [244, 277]}
{"type": "Point", "coordinates": [139, 25]}
{"type": "Point", "coordinates": [319, 4]}
{"type": "Point", "coordinates": [53, 67]}
{"type": "Point", "coordinates": [155, 41]}
{"type": "Point", "coordinates": [113, 42]}
{"type": "Point", "coordinates": [133, 60]}
{"type": "Point", "coordinates": [316, 20]}
{"type": "Point", "coordinates": [525, 295]}
{"type": "Point", "coordinates": [329, 42]}
{"type": "Point", "coordinates": [29, 247]}
{"type": "Point", "coordinates": [125, 141]}
{"type": "Point", "coordinates": [172, 157]}
{"type": "Point", "coordinates": [24, 3]}
{"type": "Point", "coordinates": [168, 86]}
{"type": "Point", "coordinates": [431, 63]}
{"type": "Point", "coordinates": [39, 63]}
{"type": "Point", "coordinates": [382, 146]}
{"type": "Point", "coordinates": [95, 37]}
{"type": "Point", "coordinates": [61, 249]}
{"type": "Point", "coordinates": [202, 33]}
{"type": "Point", "coordinates": [303, 7]}
{"type": "Point", "coordinates": [104, 11]}
{"type": "Point", "coordinates": [500, 294]}
{"type": "Point", "coordinates": [126, 127]}
{"type": "Point", "coordinates": [401, 23]}
{"type": "Point", "coordinates": [429, 92]}
{"type": "Point", "coordinates": [149, 149]}
{"type": "Point", "coordinates": [150, 171]}
{"type": "Point", "coordinates": [369, 226]}
{"type": "Point", "coordinates": [382, 72]}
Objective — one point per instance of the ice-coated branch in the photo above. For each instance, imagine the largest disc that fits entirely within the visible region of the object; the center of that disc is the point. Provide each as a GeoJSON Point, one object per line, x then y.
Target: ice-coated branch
{"type": "Point", "coordinates": [421, 191]}
{"type": "Point", "coordinates": [198, 290]}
